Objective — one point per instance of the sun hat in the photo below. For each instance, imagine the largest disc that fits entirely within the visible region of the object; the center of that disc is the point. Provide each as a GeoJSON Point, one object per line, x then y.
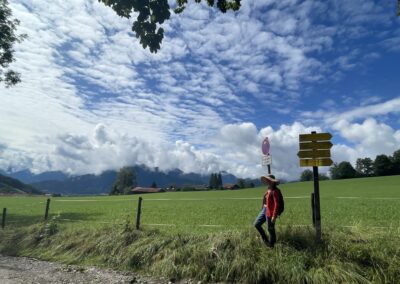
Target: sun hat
{"type": "Point", "coordinates": [271, 178]}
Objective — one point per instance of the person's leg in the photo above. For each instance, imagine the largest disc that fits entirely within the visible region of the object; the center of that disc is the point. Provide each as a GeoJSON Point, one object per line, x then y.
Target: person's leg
{"type": "Point", "coordinates": [271, 231]}
{"type": "Point", "coordinates": [258, 224]}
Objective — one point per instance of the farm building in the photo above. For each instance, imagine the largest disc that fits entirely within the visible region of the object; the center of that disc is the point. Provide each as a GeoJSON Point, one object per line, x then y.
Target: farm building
{"type": "Point", "coordinates": [141, 190]}
{"type": "Point", "coordinates": [231, 186]}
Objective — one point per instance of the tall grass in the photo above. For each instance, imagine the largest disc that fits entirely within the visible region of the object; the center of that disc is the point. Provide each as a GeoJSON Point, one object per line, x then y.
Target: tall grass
{"type": "Point", "coordinates": [344, 255]}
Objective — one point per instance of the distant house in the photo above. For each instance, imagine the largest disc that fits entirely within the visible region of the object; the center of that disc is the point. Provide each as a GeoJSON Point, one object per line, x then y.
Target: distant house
{"type": "Point", "coordinates": [141, 190]}
{"type": "Point", "coordinates": [193, 187]}
{"type": "Point", "coordinates": [231, 186]}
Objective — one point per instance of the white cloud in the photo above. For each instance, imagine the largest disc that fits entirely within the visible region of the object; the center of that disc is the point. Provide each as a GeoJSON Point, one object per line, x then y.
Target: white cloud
{"type": "Point", "coordinates": [370, 137]}
{"type": "Point", "coordinates": [92, 98]}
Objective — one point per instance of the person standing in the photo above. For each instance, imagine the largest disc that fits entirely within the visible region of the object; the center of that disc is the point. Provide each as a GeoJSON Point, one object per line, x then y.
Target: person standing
{"type": "Point", "coordinates": [270, 210]}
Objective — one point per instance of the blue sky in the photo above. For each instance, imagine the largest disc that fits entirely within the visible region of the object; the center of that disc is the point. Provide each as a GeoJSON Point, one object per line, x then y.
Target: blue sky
{"type": "Point", "coordinates": [93, 99]}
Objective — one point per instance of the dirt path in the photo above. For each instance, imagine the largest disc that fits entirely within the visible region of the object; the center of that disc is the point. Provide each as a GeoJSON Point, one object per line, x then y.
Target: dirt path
{"type": "Point", "coordinates": [23, 270]}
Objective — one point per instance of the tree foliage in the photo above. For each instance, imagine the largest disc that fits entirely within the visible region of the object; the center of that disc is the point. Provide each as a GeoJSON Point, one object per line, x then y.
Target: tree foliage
{"type": "Point", "coordinates": [215, 181]}
{"type": "Point", "coordinates": [323, 177]}
{"type": "Point", "coordinates": [342, 170]}
{"type": "Point", "coordinates": [151, 14]}
{"type": "Point", "coordinates": [383, 165]}
{"type": "Point", "coordinates": [396, 162]}
{"type": "Point", "coordinates": [241, 182]}
{"type": "Point", "coordinates": [365, 167]}
{"type": "Point", "coordinates": [8, 37]}
{"type": "Point", "coordinates": [306, 175]}
{"type": "Point", "coordinates": [126, 180]}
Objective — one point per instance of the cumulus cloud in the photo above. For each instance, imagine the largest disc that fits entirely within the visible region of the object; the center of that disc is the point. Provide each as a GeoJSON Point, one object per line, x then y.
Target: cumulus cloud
{"type": "Point", "coordinates": [370, 137]}
{"type": "Point", "coordinates": [93, 99]}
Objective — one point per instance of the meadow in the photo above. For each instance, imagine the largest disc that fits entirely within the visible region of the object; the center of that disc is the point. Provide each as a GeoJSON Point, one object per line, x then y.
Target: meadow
{"type": "Point", "coordinates": [209, 236]}
{"type": "Point", "coordinates": [370, 202]}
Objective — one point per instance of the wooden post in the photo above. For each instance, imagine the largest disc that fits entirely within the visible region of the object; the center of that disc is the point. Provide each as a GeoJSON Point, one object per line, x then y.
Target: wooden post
{"type": "Point", "coordinates": [317, 208]}
{"type": "Point", "coordinates": [46, 213]}
{"type": "Point", "coordinates": [313, 208]}
{"type": "Point", "coordinates": [3, 222]}
{"type": "Point", "coordinates": [139, 210]}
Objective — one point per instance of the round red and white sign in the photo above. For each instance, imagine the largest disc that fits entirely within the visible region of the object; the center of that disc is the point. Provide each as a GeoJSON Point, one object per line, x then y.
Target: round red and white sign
{"type": "Point", "coordinates": [265, 146]}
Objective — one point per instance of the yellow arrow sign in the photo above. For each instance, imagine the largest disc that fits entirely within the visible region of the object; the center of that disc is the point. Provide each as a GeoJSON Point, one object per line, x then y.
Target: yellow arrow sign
{"type": "Point", "coordinates": [314, 137]}
{"type": "Point", "coordinates": [315, 162]}
{"type": "Point", "coordinates": [316, 145]}
{"type": "Point", "coordinates": [314, 154]}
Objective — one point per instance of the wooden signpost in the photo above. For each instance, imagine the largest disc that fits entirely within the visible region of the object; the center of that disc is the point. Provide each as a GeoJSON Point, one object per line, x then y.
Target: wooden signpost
{"type": "Point", "coordinates": [3, 222]}
{"type": "Point", "coordinates": [315, 152]}
{"type": "Point", "coordinates": [139, 211]}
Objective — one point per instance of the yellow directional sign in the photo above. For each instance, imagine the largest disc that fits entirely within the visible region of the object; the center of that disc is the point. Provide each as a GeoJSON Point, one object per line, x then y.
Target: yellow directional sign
{"type": "Point", "coordinates": [316, 145]}
{"type": "Point", "coordinates": [314, 137]}
{"type": "Point", "coordinates": [315, 149]}
{"type": "Point", "coordinates": [315, 162]}
{"type": "Point", "coordinates": [314, 154]}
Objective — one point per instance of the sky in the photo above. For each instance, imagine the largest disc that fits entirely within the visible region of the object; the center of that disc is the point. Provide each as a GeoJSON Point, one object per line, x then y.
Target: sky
{"type": "Point", "coordinates": [92, 99]}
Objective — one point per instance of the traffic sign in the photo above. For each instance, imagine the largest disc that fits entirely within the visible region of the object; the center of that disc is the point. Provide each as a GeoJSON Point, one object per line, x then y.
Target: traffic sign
{"type": "Point", "coordinates": [316, 145]}
{"type": "Point", "coordinates": [321, 162]}
{"type": "Point", "coordinates": [266, 160]}
{"type": "Point", "coordinates": [265, 146]}
{"type": "Point", "coordinates": [314, 137]}
{"type": "Point", "coordinates": [314, 154]}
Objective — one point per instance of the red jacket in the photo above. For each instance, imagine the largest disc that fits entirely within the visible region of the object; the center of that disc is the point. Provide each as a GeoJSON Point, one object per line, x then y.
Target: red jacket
{"type": "Point", "coordinates": [271, 202]}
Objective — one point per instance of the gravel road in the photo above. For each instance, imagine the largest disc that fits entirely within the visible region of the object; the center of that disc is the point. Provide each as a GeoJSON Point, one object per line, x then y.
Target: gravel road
{"type": "Point", "coordinates": [23, 270]}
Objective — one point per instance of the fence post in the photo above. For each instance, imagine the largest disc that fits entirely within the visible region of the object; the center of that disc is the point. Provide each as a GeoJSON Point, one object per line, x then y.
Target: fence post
{"type": "Point", "coordinates": [46, 213]}
{"type": "Point", "coordinates": [139, 210]}
{"type": "Point", "coordinates": [3, 222]}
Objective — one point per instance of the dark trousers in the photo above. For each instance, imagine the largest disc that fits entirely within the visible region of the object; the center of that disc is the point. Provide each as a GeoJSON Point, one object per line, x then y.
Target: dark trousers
{"type": "Point", "coordinates": [260, 220]}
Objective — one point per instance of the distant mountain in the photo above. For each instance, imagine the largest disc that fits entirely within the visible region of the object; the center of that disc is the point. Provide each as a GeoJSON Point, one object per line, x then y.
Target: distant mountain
{"type": "Point", "coordinates": [27, 176]}
{"type": "Point", "coordinates": [10, 185]}
{"type": "Point", "coordinates": [75, 185]}
{"type": "Point", "coordinates": [101, 184]}
{"type": "Point", "coordinates": [146, 176]}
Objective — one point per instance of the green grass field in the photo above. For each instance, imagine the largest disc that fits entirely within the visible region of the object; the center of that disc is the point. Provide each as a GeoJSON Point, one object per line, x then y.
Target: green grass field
{"type": "Point", "coordinates": [208, 236]}
{"type": "Point", "coordinates": [369, 202]}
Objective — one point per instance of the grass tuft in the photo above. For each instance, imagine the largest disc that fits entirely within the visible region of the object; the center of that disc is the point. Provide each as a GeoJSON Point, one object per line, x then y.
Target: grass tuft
{"type": "Point", "coordinates": [344, 256]}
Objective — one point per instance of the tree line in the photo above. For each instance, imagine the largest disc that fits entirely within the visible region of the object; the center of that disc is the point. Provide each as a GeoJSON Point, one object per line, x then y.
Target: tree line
{"type": "Point", "coordinates": [215, 181]}
{"type": "Point", "coordinates": [383, 165]}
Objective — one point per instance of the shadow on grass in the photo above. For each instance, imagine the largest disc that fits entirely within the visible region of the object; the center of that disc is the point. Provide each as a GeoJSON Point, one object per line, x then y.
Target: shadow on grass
{"type": "Point", "coordinates": [301, 238]}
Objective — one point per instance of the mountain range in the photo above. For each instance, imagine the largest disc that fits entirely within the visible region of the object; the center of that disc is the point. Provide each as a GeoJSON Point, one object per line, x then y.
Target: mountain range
{"type": "Point", "coordinates": [9, 185]}
{"type": "Point", "coordinates": [61, 183]}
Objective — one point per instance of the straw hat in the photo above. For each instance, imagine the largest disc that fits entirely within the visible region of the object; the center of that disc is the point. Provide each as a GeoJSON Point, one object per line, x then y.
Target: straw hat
{"type": "Point", "coordinates": [271, 178]}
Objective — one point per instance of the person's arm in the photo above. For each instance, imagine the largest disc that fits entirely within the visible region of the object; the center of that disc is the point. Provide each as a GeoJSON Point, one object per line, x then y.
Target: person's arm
{"type": "Point", "coordinates": [276, 206]}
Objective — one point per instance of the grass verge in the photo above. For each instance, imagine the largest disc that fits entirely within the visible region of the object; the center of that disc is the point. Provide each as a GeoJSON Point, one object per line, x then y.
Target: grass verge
{"type": "Point", "coordinates": [344, 256]}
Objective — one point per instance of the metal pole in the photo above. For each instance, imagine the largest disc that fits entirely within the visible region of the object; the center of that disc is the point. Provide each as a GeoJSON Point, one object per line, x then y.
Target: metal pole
{"type": "Point", "coordinates": [269, 169]}
{"type": "Point", "coordinates": [3, 222]}
{"type": "Point", "coordinates": [317, 204]}
{"type": "Point", "coordinates": [46, 213]}
{"type": "Point", "coordinates": [139, 210]}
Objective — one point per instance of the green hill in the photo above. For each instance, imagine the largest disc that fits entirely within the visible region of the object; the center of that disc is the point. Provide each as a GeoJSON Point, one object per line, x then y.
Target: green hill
{"type": "Point", "coordinates": [13, 186]}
